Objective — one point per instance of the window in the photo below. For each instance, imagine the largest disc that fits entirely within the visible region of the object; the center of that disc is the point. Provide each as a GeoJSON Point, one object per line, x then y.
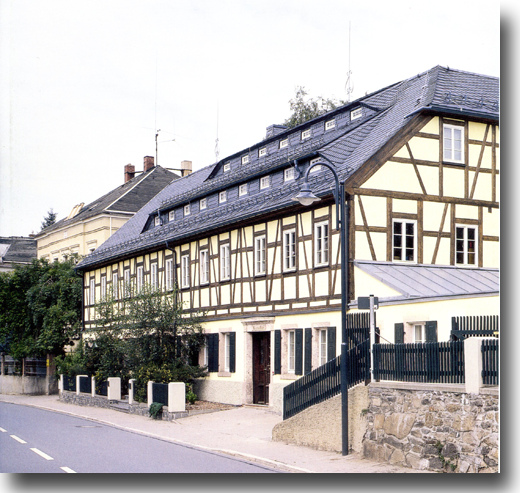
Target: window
{"type": "Point", "coordinates": [222, 197]}
{"type": "Point", "coordinates": [264, 182]}
{"type": "Point", "coordinates": [203, 204]}
{"type": "Point", "coordinates": [419, 333]}
{"type": "Point", "coordinates": [224, 262]}
{"type": "Point", "coordinates": [316, 168]}
{"type": "Point", "coordinates": [260, 255]}
{"type": "Point", "coordinates": [157, 220]}
{"type": "Point", "coordinates": [306, 134]}
{"type": "Point", "coordinates": [227, 351]}
{"type": "Point", "coordinates": [465, 245]}
{"type": "Point", "coordinates": [355, 114]}
{"type": "Point", "coordinates": [171, 216]}
{"type": "Point", "coordinates": [453, 138]}
{"type": "Point", "coordinates": [404, 241]}
{"type": "Point", "coordinates": [242, 189]}
{"type": "Point", "coordinates": [139, 278]}
{"type": "Point", "coordinates": [204, 266]}
{"type": "Point", "coordinates": [323, 346]}
{"type": "Point", "coordinates": [103, 287]}
{"type": "Point", "coordinates": [187, 210]}
{"type": "Point", "coordinates": [288, 174]}
{"type": "Point", "coordinates": [321, 243]}
{"type": "Point", "coordinates": [92, 290]}
{"type": "Point", "coordinates": [227, 167]}
{"type": "Point", "coordinates": [169, 273]}
{"type": "Point", "coordinates": [291, 351]}
{"type": "Point", "coordinates": [245, 159]}
{"type": "Point", "coordinates": [262, 152]}
{"type": "Point", "coordinates": [153, 276]}
{"type": "Point", "coordinates": [284, 143]}
{"type": "Point", "coordinates": [289, 250]}
{"type": "Point", "coordinates": [126, 280]}
{"type": "Point", "coordinates": [330, 124]}
{"type": "Point", "coordinates": [115, 287]}
{"type": "Point", "coordinates": [185, 271]}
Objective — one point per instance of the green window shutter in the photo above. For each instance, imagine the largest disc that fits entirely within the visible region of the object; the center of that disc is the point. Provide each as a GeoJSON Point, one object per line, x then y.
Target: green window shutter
{"type": "Point", "coordinates": [212, 341]}
{"type": "Point", "coordinates": [399, 333]}
{"type": "Point", "coordinates": [431, 331]}
{"type": "Point", "coordinates": [308, 351]}
{"type": "Point", "coordinates": [277, 352]}
{"type": "Point", "coordinates": [232, 351]}
{"type": "Point", "coordinates": [298, 360]}
{"type": "Point", "coordinates": [331, 343]}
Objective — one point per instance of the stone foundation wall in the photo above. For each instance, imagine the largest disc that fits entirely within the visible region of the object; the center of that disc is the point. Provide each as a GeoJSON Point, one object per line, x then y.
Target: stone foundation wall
{"type": "Point", "coordinates": [429, 428]}
{"type": "Point", "coordinates": [85, 399]}
{"type": "Point", "coordinates": [225, 392]}
{"type": "Point", "coordinates": [11, 384]}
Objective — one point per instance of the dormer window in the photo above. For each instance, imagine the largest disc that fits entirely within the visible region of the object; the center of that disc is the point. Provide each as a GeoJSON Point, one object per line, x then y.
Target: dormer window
{"type": "Point", "coordinates": [284, 143]}
{"type": "Point", "coordinates": [171, 216]}
{"type": "Point", "coordinates": [245, 159]}
{"type": "Point", "coordinates": [262, 152]}
{"type": "Point", "coordinates": [264, 182]}
{"type": "Point", "coordinates": [227, 167]}
{"type": "Point", "coordinates": [316, 168]}
{"type": "Point", "coordinates": [203, 203]}
{"type": "Point", "coordinates": [330, 124]}
{"type": "Point", "coordinates": [306, 134]}
{"type": "Point", "coordinates": [187, 210]}
{"type": "Point", "coordinates": [242, 189]}
{"type": "Point", "coordinates": [288, 174]}
{"type": "Point", "coordinates": [157, 221]}
{"type": "Point", "coordinates": [222, 197]}
{"type": "Point", "coordinates": [355, 114]}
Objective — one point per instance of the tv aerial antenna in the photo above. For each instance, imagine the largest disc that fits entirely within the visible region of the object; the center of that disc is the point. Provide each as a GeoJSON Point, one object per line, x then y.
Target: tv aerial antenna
{"type": "Point", "coordinates": [217, 149]}
{"type": "Point", "coordinates": [349, 86]}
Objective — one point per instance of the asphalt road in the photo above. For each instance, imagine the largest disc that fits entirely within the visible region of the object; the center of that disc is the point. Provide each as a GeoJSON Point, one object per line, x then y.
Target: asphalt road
{"type": "Point", "coordinates": [37, 441]}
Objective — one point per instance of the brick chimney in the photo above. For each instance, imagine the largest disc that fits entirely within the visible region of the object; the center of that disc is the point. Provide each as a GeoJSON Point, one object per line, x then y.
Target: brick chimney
{"type": "Point", "coordinates": [186, 168]}
{"type": "Point", "coordinates": [129, 172]}
{"type": "Point", "coordinates": [148, 163]}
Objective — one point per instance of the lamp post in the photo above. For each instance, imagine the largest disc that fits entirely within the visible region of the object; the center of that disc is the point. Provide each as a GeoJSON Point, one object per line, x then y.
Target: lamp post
{"type": "Point", "coordinates": [306, 197]}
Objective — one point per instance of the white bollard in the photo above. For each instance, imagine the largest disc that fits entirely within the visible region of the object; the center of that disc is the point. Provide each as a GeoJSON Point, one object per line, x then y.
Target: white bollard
{"type": "Point", "coordinates": [149, 393]}
{"type": "Point", "coordinates": [114, 389]}
{"type": "Point", "coordinates": [93, 386]}
{"type": "Point", "coordinates": [176, 397]}
{"type": "Point", "coordinates": [131, 390]}
{"type": "Point", "coordinates": [60, 383]}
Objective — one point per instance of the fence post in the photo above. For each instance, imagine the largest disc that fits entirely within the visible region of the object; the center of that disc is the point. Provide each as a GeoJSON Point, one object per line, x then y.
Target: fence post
{"type": "Point", "coordinates": [60, 383]}
{"type": "Point", "coordinates": [149, 392]}
{"type": "Point", "coordinates": [93, 386]}
{"type": "Point", "coordinates": [473, 364]}
{"type": "Point", "coordinates": [131, 384]}
{"type": "Point", "coordinates": [114, 389]}
{"type": "Point", "coordinates": [176, 397]}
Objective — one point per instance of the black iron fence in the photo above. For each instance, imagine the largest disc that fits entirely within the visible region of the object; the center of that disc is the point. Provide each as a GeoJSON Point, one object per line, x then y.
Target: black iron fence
{"type": "Point", "coordinates": [85, 385]}
{"type": "Point", "coordinates": [35, 367]}
{"type": "Point", "coordinates": [429, 362]}
{"type": "Point", "coordinates": [476, 326]}
{"type": "Point", "coordinates": [102, 388]}
{"type": "Point", "coordinates": [69, 383]}
{"type": "Point", "coordinates": [160, 393]}
{"type": "Point", "coordinates": [490, 363]}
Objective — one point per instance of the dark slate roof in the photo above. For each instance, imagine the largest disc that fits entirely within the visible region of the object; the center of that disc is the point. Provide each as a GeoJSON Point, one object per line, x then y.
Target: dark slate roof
{"type": "Point", "coordinates": [348, 146]}
{"type": "Point", "coordinates": [432, 281]}
{"type": "Point", "coordinates": [17, 249]}
{"type": "Point", "coordinates": [128, 197]}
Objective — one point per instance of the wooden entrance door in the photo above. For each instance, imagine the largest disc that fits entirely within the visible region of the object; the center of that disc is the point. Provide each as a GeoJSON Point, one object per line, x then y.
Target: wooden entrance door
{"type": "Point", "coordinates": [261, 367]}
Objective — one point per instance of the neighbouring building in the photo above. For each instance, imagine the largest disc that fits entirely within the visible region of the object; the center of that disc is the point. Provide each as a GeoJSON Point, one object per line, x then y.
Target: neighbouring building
{"type": "Point", "coordinates": [16, 250]}
{"type": "Point", "coordinates": [88, 226]}
{"type": "Point", "coordinates": [420, 163]}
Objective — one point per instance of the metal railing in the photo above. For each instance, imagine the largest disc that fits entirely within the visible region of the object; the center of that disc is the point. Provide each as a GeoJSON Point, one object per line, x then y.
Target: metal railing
{"type": "Point", "coordinates": [477, 326]}
{"type": "Point", "coordinates": [160, 393]}
{"type": "Point", "coordinates": [85, 385]}
{"type": "Point", "coordinates": [490, 363]}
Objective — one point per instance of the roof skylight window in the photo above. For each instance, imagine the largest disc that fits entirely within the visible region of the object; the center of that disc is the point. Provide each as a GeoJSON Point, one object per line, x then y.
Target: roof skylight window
{"type": "Point", "coordinates": [329, 125]}
{"type": "Point", "coordinates": [355, 114]}
{"type": "Point", "coordinates": [245, 159]}
{"type": "Point", "coordinates": [222, 197]}
{"type": "Point", "coordinates": [288, 174]}
{"type": "Point", "coordinates": [242, 189]}
{"type": "Point", "coordinates": [203, 203]}
{"type": "Point", "coordinates": [187, 210]}
{"type": "Point", "coordinates": [171, 216]}
{"type": "Point", "coordinates": [306, 134]}
{"type": "Point", "coordinates": [227, 167]}
{"type": "Point", "coordinates": [157, 220]}
{"type": "Point", "coordinates": [264, 182]}
{"type": "Point", "coordinates": [262, 152]}
{"type": "Point", "coordinates": [284, 143]}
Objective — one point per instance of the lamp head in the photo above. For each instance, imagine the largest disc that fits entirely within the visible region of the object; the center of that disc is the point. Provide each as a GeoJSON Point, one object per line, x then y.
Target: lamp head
{"type": "Point", "coordinates": [306, 197]}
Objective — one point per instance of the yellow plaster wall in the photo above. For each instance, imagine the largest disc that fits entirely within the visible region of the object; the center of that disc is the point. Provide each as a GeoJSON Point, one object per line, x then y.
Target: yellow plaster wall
{"type": "Point", "coordinates": [453, 182]}
{"type": "Point", "coordinates": [398, 177]}
{"type": "Point", "coordinates": [423, 149]}
{"type": "Point", "coordinates": [366, 285]}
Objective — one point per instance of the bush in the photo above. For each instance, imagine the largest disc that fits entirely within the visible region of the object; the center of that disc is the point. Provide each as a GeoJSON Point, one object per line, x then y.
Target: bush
{"type": "Point", "coordinates": [155, 409]}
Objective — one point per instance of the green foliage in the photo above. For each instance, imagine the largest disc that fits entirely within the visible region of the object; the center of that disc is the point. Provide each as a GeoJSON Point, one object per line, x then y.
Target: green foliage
{"type": "Point", "coordinates": [191, 396]}
{"type": "Point", "coordinates": [40, 308]}
{"type": "Point", "coordinates": [305, 109]}
{"type": "Point", "coordinates": [155, 409]}
{"type": "Point", "coordinates": [49, 219]}
{"type": "Point", "coordinates": [73, 363]}
{"type": "Point", "coordinates": [445, 462]}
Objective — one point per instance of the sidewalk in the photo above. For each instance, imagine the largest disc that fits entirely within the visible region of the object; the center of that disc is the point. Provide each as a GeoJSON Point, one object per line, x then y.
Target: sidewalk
{"type": "Point", "coordinates": [243, 432]}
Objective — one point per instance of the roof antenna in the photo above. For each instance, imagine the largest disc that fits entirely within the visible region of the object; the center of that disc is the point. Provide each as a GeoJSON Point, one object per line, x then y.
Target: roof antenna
{"type": "Point", "coordinates": [349, 87]}
{"type": "Point", "coordinates": [217, 150]}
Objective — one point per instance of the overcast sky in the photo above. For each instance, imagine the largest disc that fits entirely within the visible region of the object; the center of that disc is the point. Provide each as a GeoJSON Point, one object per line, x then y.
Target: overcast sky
{"type": "Point", "coordinates": [85, 84]}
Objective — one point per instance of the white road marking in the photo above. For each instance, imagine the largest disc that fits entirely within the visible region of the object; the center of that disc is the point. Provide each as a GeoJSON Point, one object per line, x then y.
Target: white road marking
{"type": "Point", "coordinates": [42, 454]}
{"type": "Point", "coordinates": [68, 469]}
{"type": "Point", "coordinates": [18, 439]}
{"type": "Point", "coordinates": [3, 431]}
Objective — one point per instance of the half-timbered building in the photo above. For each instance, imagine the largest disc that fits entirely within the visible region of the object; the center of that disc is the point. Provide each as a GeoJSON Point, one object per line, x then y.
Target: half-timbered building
{"type": "Point", "coordinates": [420, 163]}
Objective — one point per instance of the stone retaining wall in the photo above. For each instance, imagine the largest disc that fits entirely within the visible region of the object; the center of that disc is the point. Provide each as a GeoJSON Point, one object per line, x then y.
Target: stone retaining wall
{"type": "Point", "coordinates": [427, 428]}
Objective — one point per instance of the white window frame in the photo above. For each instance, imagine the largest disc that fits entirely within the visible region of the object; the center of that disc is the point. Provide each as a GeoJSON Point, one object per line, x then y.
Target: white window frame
{"type": "Point", "coordinates": [284, 143]}
{"type": "Point", "coordinates": [330, 124]}
{"type": "Point", "coordinates": [171, 216]}
{"type": "Point", "coordinates": [245, 159]}
{"type": "Point", "coordinates": [169, 273]}
{"type": "Point", "coordinates": [242, 189]}
{"type": "Point", "coordinates": [226, 167]}
{"type": "Point", "coordinates": [139, 278]}
{"type": "Point", "coordinates": [316, 168]}
{"type": "Point", "coordinates": [126, 281]}
{"type": "Point", "coordinates": [92, 292]}
{"type": "Point", "coordinates": [465, 244]}
{"type": "Point", "coordinates": [306, 134]}
{"type": "Point", "coordinates": [421, 327]}
{"type": "Point", "coordinates": [153, 276]}
{"type": "Point", "coordinates": [187, 210]}
{"type": "Point", "coordinates": [355, 114]}
{"type": "Point", "coordinates": [225, 262]}
{"type": "Point", "coordinates": [157, 220]}
{"type": "Point", "coordinates": [203, 204]}
{"type": "Point", "coordinates": [103, 287]}
{"type": "Point", "coordinates": [289, 250]}
{"type": "Point", "coordinates": [205, 354]}
{"type": "Point", "coordinates": [403, 246]}
{"type": "Point", "coordinates": [222, 197]}
{"type": "Point", "coordinates": [321, 243]}
{"type": "Point", "coordinates": [291, 351]}
{"type": "Point", "coordinates": [262, 152]}
{"type": "Point", "coordinates": [323, 345]}
{"type": "Point", "coordinates": [185, 271]}
{"type": "Point", "coordinates": [288, 174]}
{"type": "Point", "coordinates": [448, 152]}
{"type": "Point", "coordinates": [265, 182]}
{"type": "Point", "coordinates": [227, 344]}
{"type": "Point", "coordinates": [204, 266]}
{"type": "Point", "coordinates": [260, 255]}
{"type": "Point", "coordinates": [115, 285]}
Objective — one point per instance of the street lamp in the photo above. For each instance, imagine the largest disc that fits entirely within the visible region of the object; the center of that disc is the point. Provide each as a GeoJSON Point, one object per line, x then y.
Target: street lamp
{"type": "Point", "coordinates": [306, 197]}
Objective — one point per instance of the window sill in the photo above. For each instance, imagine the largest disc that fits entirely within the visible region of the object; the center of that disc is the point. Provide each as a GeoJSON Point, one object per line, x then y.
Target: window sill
{"type": "Point", "coordinates": [290, 376]}
{"type": "Point", "coordinates": [224, 374]}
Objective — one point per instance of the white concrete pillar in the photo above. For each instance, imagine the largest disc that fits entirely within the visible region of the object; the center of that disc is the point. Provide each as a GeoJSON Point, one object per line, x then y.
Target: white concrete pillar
{"type": "Point", "coordinates": [60, 383]}
{"type": "Point", "coordinates": [176, 397]}
{"type": "Point", "coordinates": [473, 364]}
{"type": "Point", "coordinates": [93, 386]}
{"type": "Point", "coordinates": [149, 393]}
{"type": "Point", "coordinates": [131, 390]}
{"type": "Point", "coordinates": [114, 389]}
